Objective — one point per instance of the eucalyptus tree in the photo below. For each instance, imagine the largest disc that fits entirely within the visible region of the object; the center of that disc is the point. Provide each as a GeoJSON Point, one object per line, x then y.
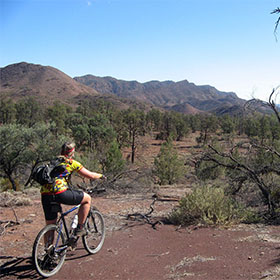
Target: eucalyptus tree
{"type": "Point", "coordinates": [45, 145]}
{"type": "Point", "coordinates": [173, 124]}
{"type": "Point", "coordinates": [154, 119]}
{"type": "Point", "coordinates": [113, 163]}
{"type": "Point", "coordinates": [29, 112]}
{"type": "Point", "coordinates": [7, 111]}
{"type": "Point", "coordinates": [135, 126]}
{"type": "Point", "coordinates": [194, 122]}
{"type": "Point", "coordinates": [15, 152]}
{"type": "Point", "coordinates": [22, 147]}
{"type": "Point", "coordinates": [208, 124]}
{"type": "Point", "coordinates": [227, 124]}
{"type": "Point", "coordinates": [100, 132]}
{"type": "Point", "coordinates": [58, 114]}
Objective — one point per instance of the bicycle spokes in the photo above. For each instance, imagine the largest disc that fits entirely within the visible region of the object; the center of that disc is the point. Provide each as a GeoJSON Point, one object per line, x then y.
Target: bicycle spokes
{"type": "Point", "coordinates": [95, 227]}
{"type": "Point", "coordinates": [48, 258]}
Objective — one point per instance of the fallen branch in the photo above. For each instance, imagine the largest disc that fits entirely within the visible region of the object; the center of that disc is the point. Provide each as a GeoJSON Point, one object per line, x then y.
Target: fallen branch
{"type": "Point", "coordinates": [147, 217]}
{"type": "Point", "coordinates": [9, 223]}
{"type": "Point", "coordinates": [15, 215]}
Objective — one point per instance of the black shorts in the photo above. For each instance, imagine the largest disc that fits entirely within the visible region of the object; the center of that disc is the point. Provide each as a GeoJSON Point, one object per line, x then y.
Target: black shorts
{"type": "Point", "coordinates": [69, 197]}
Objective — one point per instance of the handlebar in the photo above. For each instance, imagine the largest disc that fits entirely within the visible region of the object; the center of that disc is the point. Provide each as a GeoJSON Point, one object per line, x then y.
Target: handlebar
{"type": "Point", "coordinates": [95, 190]}
{"type": "Point", "coordinates": [95, 187]}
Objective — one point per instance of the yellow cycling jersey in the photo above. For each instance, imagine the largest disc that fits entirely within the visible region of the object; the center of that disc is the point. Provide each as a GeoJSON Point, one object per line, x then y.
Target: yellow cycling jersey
{"type": "Point", "coordinates": [61, 183]}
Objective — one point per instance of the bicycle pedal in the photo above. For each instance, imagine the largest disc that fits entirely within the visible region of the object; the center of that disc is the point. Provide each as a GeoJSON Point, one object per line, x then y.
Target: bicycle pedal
{"type": "Point", "coordinates": [72, 242]}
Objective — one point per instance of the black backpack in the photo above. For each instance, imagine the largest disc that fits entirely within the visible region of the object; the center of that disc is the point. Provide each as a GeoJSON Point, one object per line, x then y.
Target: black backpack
{"type": "Point", "coordinates": [46, 173]}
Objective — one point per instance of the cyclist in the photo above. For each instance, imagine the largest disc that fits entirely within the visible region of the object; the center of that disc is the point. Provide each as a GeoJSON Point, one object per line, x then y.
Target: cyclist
{"type": "Point", "coordinates": [59, 191]}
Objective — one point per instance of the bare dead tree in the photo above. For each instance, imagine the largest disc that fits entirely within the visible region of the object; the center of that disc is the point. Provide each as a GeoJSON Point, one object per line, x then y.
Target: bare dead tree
{"type": "Point", "coordinates": [242, 170]}
{"type": "Point", "coordinates": [276, 11]}
{"type": "Point", "coordinates": [256, 104]}
{"type": "Point", "coordinates": [272, 104]}
{"type": "Point", "coordinates": [147, 216]}
{"type": "Point", "coordinates": [242, 167]}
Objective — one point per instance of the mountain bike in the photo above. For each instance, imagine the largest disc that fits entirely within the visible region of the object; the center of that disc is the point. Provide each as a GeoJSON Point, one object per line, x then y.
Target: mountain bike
{"type": "Point", "coordinates": [53, 241]}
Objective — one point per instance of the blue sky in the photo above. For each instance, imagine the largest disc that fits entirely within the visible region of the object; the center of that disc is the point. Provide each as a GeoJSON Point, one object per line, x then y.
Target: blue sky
{"type": "Point", "coordinates": [228, 44]}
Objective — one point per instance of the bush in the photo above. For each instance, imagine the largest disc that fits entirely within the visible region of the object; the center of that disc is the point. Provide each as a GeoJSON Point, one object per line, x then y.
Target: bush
{"type": "Point", "coordinates": [6, 185]}
{"type": "Point", "coordinates": [114, 162]}
{"type": "Point", "coordinates": [168, 167]}
{"type": "Point", "coordinates": [209, 171]}
{"type": "Point", "coordinates": [207, 205]}
{"type": "Point", "coordinates": [9, 199]}
{"type": "Point", "coordinates": [89, 160]}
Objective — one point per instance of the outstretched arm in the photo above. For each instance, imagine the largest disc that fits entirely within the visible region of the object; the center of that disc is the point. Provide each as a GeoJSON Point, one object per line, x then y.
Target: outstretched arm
{"type": "Point", "coordinates": [90, 175]}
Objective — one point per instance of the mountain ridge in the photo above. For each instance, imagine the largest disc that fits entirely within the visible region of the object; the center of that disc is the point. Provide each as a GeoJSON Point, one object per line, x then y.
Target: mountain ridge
{"type": "Point", "coordinates": [49, 85]}
{"type": "Point", "coordinates": [26, 79]}
{"type": "Point", "coordinates": [166, 94]}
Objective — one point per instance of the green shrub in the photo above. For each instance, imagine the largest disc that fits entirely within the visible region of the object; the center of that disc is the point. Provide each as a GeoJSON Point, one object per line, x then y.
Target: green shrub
{"type": "Point", "coordinates": [6, 185]}
{"type": "Point", "coordinates": [113, 162]}
{"type": "Point", "coordinates": [207, 205]}
{"type": "Point", "coordinates": [168, 167]}
{"type": "Point", "coordinates": [89, 160]}
{"type": "Point", "coordinates": [209, 171]}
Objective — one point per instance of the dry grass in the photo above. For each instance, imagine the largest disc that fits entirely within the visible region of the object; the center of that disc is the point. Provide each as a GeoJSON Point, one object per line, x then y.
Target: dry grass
{"type": "Point", "coordinates": [8, 199]}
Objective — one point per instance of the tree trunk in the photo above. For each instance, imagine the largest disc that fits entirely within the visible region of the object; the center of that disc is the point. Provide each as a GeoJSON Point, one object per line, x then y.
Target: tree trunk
{"type": "Point", "coordinates": [133, 148]}
{"type": "Point", "coordinates": [14, 187]}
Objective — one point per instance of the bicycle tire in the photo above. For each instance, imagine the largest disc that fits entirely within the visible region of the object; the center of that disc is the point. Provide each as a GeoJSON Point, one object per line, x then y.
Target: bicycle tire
{"type": "Point", "coordinates": [48, 259]}
{"type": "Point", "coordinates": [95, 227]}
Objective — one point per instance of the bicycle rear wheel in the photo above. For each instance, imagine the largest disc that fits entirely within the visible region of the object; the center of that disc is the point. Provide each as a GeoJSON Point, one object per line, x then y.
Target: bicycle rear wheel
{"type": "Point", "coordinates": [49, 251]}
{"type": "Point", "coordinates": [95, 226]}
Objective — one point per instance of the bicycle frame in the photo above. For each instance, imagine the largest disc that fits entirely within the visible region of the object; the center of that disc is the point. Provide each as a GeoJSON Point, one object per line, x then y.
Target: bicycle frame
{"type": "Point", "coordinates": [62, 223]}
{"type": "Point", "coordinates": [63, 215]}
{"type": "Point", "coordinates": [53, 241]}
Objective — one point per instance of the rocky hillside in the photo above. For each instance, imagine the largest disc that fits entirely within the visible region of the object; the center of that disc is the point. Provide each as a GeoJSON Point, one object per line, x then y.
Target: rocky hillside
{"type": "Point", "coordinates": [43, 82]}
{"type": "Point", "coordinates": [49, 84]}
{"type": "Point", "coordinates": [179, 96]}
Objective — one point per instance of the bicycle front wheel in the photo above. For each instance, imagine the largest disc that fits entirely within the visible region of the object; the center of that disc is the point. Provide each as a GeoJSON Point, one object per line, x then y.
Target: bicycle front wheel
{"type": "Point", "coordinates": [49, 251]}
{"type": "Point", "coordinates": [95, 227]}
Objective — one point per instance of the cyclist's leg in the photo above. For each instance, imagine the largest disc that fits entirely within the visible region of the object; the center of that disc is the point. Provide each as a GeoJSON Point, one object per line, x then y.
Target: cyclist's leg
{"type": "Point", "coordinates": [84, 209]}
{"type": "Point", "coordinates": [49, 236]}
{"type": "Point", "coordinates": [75, 197]}
{"type": "Point", "coordinates": [50, 217]}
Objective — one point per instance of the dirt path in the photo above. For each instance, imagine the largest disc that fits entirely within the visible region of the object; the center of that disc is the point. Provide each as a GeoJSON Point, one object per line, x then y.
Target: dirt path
{"type": "Point", "coordinates": [134, 250]}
